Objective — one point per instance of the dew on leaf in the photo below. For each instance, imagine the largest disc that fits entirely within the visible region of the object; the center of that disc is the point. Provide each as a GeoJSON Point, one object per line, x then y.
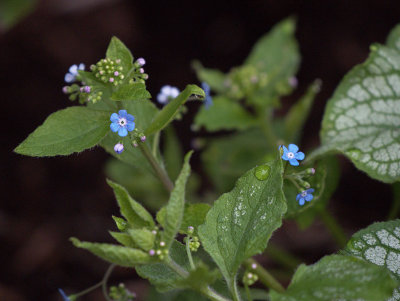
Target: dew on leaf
{"type": "Point", "coordinates": [262, 172]}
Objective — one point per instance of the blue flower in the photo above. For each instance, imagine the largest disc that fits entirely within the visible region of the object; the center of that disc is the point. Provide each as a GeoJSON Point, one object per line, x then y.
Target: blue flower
{"type": "Point", "coordinates": [305, 195]}
{"type": "Point", "coordinates": [292, 154]}
{"type": "Point", "coordinates": [63, 295]}
{"type": "Point", "coordinates": [122, 123]}
{"type": "Point", "coordinates": [208, 99]}
{"type": "Point", "coordinates": [167, 93]}
{"type": "Point", "coordinates": [73, 72]}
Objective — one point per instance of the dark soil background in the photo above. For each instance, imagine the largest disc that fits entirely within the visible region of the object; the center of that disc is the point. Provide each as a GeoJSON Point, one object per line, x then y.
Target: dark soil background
{"type": "Point", "coordinates": [46, 201]}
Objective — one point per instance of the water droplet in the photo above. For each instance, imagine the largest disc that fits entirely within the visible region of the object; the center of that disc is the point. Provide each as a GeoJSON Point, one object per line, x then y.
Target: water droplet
{"type": "Point", "coordinates": [262, 172]}
{"type": "Point", "coordinates": [354, 153]}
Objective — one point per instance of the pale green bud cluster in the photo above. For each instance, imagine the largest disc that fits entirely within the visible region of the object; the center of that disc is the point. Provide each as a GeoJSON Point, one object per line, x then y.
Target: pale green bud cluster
{"type": "Point", "coordinates": [194, 244]}
{"type": "Point", "coordinates": [109, 71]}
{"type": "Point", "coordinates": [121, 293]}
{"type": "Point", "coordinates": [249, 278]}
{"type": "Point", "coordinates": [161, 252]}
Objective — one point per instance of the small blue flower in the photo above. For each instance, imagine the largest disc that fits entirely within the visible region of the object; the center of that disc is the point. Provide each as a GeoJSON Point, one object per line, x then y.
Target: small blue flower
{"type": "Point", "coordinates": [63, 295]}
{"type": "Point", "coordinates": [122, 123]}
{"type": "Point", "coordinates": [305, 195]}
{"type": "Point", "coordinates": [208, 101]}
{"type": "Point", "coordinates": [167, 93]}
{"type": "Point", "coordinates": [119, 148]}
{"type": "Point", "coordinates": [292, 154]}
{"type": "Point", "coordinates": [73, 72]}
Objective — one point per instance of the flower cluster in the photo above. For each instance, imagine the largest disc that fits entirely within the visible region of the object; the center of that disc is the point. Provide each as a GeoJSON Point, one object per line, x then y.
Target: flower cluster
{"type": "Point", "coordinates": [72, 73]}
{"type": "Point", "coordinates": [161, 252]}
{"type": "Point", "coordinates": [108, 71]}
{"type": "Point", "coordinates": [249, 278]}
{"type": "Point", "coordinates": [167, 93]}
{"type": "Point", "coordinates": [121, 293]}
{"type": "Point", "coordinates": [292, 155]}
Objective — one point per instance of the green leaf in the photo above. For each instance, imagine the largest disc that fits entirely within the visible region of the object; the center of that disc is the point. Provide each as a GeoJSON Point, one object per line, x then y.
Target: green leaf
{"type": "Point", "coordinates": [129, 92]}
{"type": "Point", "coordinates": [123, 256]}
{"type": "Point", "coordinates": [162, 276]}
{"type": "Point", "coordinates": [241, 221]}
{"type": "Point", "coordinates": [338, 277]}
{"type": "Point", "coordinates": [67, 131]}
{"type": "Point", "coordinates": [136, 215]}
{"type": "Point", "coordinates": [194, 215]}
{"type": "Point", "coordinates": [199, 278]}
{"type": "Point", "coordinates": [173, 154]}
{"type": "Point", "coordinates": [379, 244]}
{"type": "Point", "coordinates": [124, 239]}
{"type": "Point", "coordinates": [393, 40]}
{"type": "Point", "coordinates": [362, 118]}
{"type": "Point", "coordinates": [174, 208]}
{"type": "Point", "coordinates": [117, 50]}
{"type": "Point", "coordinates": [144, 112]}
{"type": "Point", "coordinates": [227, 158]}
{"type": "Point", "coordinates": [224, 114]}
{"type": "Point", "coordinates": [166, 115]}
{"type": "Point", "coordinates": [120, 223]}
{"type": "Point", "coordinates": [143, 238]}
{"type": "Point", "coordinates": [298, 113]}
{"type": "Point", "coordinates": [277, 56]}
{"type": "Point", "coordinates": [12, 11]}
{"type": "Point", "coordinates": [213, 77]}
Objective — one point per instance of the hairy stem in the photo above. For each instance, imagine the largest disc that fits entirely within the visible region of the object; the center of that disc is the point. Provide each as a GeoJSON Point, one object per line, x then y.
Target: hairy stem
{"type": "Point", "coordinates": [248, 294]}
{"type": "Point", "coordinates": [283, 257]}
{"type": "Point", "coordinates": [265, 277]}
{"type": "Point", "coordinates": [332, 225]}
{"type": "Point", "coordinates": [161, 174]}
{"type": "Point", "coordinates": [189, 254]}
{"type": "Point", "coordinates": [88, 290]}
{"type": "Point", "coordinates": [234, 290]}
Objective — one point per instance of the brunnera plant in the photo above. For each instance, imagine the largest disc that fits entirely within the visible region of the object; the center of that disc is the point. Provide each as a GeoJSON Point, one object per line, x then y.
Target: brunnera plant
{"type": "Point", "coordinates": [201, 249]}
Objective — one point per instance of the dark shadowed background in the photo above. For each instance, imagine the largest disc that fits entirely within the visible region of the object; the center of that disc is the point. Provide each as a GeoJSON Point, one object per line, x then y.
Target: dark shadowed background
{"type": "Point", "coordinates": [45, 201]}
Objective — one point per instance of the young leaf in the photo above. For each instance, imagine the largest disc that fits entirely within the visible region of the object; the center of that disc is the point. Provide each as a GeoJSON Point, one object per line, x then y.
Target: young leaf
{"type": "Point", "coordinates": [129, 92]}
{"type": "Point", "coordinates": [338, 277]}
{"type": "Point", "coordinates": [117, 50]}
{"type": "Point", "coordinates": [276, 54]}
{"type": "Point", "coordinates": [362, 118]}
{"type": "Point", "coordinates": [224, 114]}
{"type": "Point", "coordinates": [297, 116]}
{"type": "Point", "coordinates": [67, 131]}
{"type": "Point", "coordinates": [241, 221]}
{"type": "Point", "coordinates": [194, 215]}
{"type": "Point", "coordinates": [379, 244]}
{"type": "Point", "coordinates": [124, 239]}
{"type": "Point", "coordinates": [143, 238]}
{"type": "Point", "coordinates": [166, 115]}
{"type": "Point", "coordinates": [174, 208]}
{"type": "Point", "coordinates": [136, 215]}
{"type": "Point", "coordinates": [123, 256]}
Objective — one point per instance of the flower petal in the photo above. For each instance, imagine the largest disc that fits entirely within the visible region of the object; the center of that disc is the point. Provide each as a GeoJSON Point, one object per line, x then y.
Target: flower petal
{"type": "Point", "coordinates": [69, 78]}
{"type": "Point", "coordinates": [114, 117]}
{"type": "Point", "coordinates": [81, 66]}
{"type": "Point", "coordinates": [166, 90]}
{"type": "Point", "coordinates": [293, 148]}
{"type": "Point", "coordinates": [73, 69]}
{"type": "Point", "coordinates": [162, 98]}
{"type": "Point", "coordinates": [130, 126]}
{"type": "Point", "coordinates": [299, 155]}
{"type": "Point", "coordinates": [311, 190]}
{"type": "Point", "coordinates": [114, 127]}
{"type": "Point", "coordinates": [122, 131]}
{"type": "Point", "coordinates": [298, 196]}
{"type": "Point", "coordinates": [301, 202]}
{"type": "Point", "coordinates": [309, 197]}
{"type": "Point", "coordinates": [294, 162]}
{"type": "Point", "coordinates": [122, 113]}
{"type": "Point", "coordinates": [130, 117]}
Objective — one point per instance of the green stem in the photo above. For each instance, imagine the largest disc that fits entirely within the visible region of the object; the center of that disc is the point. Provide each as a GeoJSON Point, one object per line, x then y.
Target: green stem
{"type": "Point", "coordinates": [332, 225]}
{"type": "Point", "coordinates": [207, 291]}
{"type": "Point", "coordinates": [234, 290]}
{"type": "Point", "coordinates": [248, 294]}
{"type": "Point", "coordinates": [265, 277]}
{"type": "Point", "coordinates": [294, 182]}
{"type": "Point", "coordinates": [189, 254]}
{"type": "Point", "coordinates": [161, 174]}
{"type": "Point", "coordinates": [395, 208]}
{"type": "Point", "coordinates": [284, 258]}
{"type": "Point", "coordinates": [104, 281]}
{"type": "Point", "coordinates": [88, 290]}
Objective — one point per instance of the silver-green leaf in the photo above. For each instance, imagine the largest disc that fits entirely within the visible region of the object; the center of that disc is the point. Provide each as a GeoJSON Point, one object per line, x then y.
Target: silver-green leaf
{"type": "Point", "coordinates": [241, 221]}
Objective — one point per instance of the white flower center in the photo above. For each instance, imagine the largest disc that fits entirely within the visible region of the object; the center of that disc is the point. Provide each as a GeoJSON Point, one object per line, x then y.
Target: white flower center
{"type": "Point", "coordinates": [122, 121]}
{"type": "Point", "coordinates": [304, 193]}
{"type": "Point", "coordinates": [290, 155]}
